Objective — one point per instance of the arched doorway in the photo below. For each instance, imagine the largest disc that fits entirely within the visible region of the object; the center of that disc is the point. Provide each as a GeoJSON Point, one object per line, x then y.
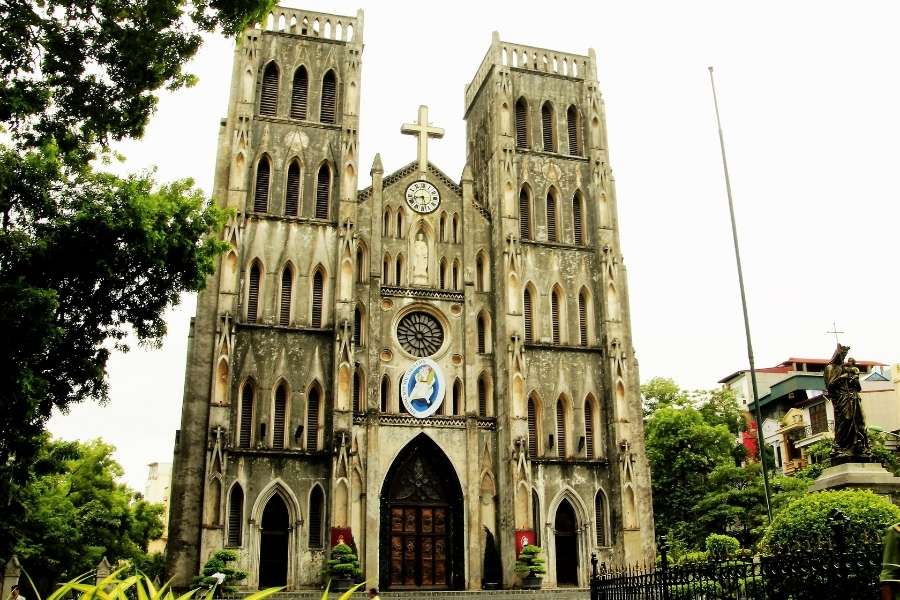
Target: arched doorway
{"type": "Point", "coordinates": [421, 541]}
{"type": "Point", "coordinates": [566, 545]}
{"type": "Point", "coordinates": [273, 544]}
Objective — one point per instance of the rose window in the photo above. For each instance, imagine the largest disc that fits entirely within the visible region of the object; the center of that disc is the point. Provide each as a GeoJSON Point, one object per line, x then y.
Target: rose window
{"type": "Point", "coordinates": [420, 334]}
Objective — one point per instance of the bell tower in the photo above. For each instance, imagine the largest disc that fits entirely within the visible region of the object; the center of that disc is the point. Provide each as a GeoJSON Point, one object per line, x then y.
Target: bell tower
{"type": "Point", "coordinates": [569, 404]}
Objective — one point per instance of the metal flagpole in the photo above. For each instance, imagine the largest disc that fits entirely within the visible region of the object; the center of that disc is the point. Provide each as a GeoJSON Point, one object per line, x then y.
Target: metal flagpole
{"type": "Point", "coordinates": [737, 256]}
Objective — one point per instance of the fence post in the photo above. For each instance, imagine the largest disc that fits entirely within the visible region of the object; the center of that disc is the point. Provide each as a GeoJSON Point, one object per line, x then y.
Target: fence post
{"type": "Point", "coordinates": [595, 578]}
{"type": "Point", "coordinates": [664, 563]}
{"type": "Point", "coordinates": [11, 574]}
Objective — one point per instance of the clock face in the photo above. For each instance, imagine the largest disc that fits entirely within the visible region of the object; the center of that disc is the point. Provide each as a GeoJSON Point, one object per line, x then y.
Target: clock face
{"type": "Point", "coordinates": [422, 197]}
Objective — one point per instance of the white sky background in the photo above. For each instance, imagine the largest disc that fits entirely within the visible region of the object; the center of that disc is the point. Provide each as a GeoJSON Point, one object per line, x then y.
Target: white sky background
{"type": "Point", "coordinates": [810, 102]}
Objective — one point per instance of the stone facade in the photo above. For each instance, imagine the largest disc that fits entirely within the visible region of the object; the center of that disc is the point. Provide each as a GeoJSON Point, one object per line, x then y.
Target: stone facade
{"type": "Point", "coordinates": [293, 427]}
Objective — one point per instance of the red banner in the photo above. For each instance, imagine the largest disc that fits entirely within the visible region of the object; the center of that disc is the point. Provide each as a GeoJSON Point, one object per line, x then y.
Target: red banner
{"type": "Point", "coordinates": [341, 535]}
{"type": "Point", "coordinates": [523, 538]}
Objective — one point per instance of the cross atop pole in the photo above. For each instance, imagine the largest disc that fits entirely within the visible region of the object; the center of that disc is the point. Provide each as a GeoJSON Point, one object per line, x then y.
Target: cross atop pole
{"type": "Point", "coordinates": [835, 332]}
{"type": "Point", "coordinates": [423, 131]}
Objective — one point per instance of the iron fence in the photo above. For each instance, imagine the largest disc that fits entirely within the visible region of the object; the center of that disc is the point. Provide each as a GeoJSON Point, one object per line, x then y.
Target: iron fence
{"type": "Point", "coordinates": [833, 572]}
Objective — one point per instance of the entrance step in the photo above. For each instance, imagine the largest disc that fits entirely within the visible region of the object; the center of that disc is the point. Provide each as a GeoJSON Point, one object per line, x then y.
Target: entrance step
{"type": "Point", "coordinates": [568, 593]}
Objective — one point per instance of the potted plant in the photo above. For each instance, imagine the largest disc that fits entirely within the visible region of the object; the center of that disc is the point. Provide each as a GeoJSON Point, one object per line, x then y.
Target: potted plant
{"type": "Point", "coordinates": [530, 565]}
{"type": "Point", "coordinates": [343, 567]}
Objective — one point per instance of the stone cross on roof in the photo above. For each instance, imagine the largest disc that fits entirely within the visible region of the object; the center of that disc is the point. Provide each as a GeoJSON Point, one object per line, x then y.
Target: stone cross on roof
{"type": "Point", "coordinates": [423, 131]}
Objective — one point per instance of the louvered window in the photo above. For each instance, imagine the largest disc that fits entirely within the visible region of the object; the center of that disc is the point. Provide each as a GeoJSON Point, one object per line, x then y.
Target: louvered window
{"type": "Point", "coordinates": [443, 275]}
{"type": "Point", "coordinates": [279, 418]}
{"type": "Point", "coordinates": [576, 220]}
{"type": "Point", "coordinates": [329, 97]}
{"type": "Point", "coordinates": [246, 429]}
{"type": "Point", "coordinates": [532, 429]}
{"type": "Point", "coordinates": [253, 294]}
{"type": "Point", "coordinates": [235, 515]}
{"type": "Point", "coordinates": [482, 397]}
{"type": "Point", "coordinates": [316, 517]}
{"type": "Point", "coordinates": [600, 518]}
{"type": "Point", "coordinates": [312, 419]}
{"type": "Point", "coordinates": [268, 99]}
{"type": "Point", "coordinates": [582, 320]}
{"type": "Point", "coordinates": [261, 193]}
{"type": "Point", "coordinates": [323, 191]}
{"type": "Point", "coordinates": [554, 316]}
{"type": "Point", "coordinates": [357, 326]}
{"type": "Point", "coordinates": [357, 390]}
{"type": "Point", "coordinates": [318, 283]}
{"type": "Point", "coordinates": [547, 127]}
{"type": "Point", "coordinates": [572, 124]}
{"type": "Point", "coordinates": [385, 392]}
{"type": "Point", "coordinates": [521, 124]}
{"type": "Point", "coordinates": [482, 346]}
{"type": "Point", "coordinates": [589, 428]}
{"type": "Point", "coordinates": [292, 191]}
{"type": "Point", "coordinates": [284, 312]}
{"type": "Point", "coordinates": [457, 398]}
{"type": "Point", "coordinates": [524, 215]}
{"type": "Point", "coordinates": [551, 217]}
{"type": "Point", "coordinates": [299, 94]}
{"type": "Point", "coordinates": [527, 314]}
{"type": "Point", "coordinates": [561, 429]}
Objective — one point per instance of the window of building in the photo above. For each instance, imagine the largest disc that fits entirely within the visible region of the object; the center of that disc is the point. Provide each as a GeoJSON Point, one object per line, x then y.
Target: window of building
{"type": "Point", "coordinates": [253, 294]}
{"type": "Point", "coordinates": [329, 98]}
{"type": "Point", "coordinates": [548, 133]}
{"type": "Point", "coordinates": [268, 99]}
{"type": "Point", "coordinates": [323, 191]}
{"type": "Point", "coordinates": [299, 93]}
{"type": "Point", "coordinates": [261, 193]}
{"type": "Point", "coordinates": [317, 293]}
{"type": "Point", "coordinates": [235, 515]}
{"type": "Point", "coordinates": [278, 420]}
{"type": "Point", "coordinates": [245, 436]}
{"type": "Point", "coordinates": [521, 123]}
{"type": "Point", "coordinates": [284, 308]}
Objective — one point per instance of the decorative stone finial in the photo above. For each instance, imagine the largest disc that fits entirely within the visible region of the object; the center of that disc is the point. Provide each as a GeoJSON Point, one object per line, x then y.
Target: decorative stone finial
{"type": "Point", "coordinates": [376, 165]}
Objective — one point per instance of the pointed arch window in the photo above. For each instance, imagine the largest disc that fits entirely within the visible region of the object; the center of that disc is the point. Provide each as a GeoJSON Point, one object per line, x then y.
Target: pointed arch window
{"type": "Point", "coordinates": [292, 190]}
{"type": "Point", "coordinates": [299, 93]}
{"type": "Point", "coordinates": [482, 334]}
{"type": "Point", "coordinates": [524, 215]}
{"type": "Point", "coordinates": [360, 264]}
{"type": "Point", "coordinates": [399, 223]}
{"type": "Point", "coordinates": [386, 226]}
{"type": "Point", "coordinates": [457, 398]}
{"type": "Point", "coordinates": [443, 227]}
{"type": "Point", "coordinates": [235, 515]}
{"type": "Point", "coordinates": [532, 428]}
{"type": "Point", "coordinates": [278, 420]}
{"type": "Point", "coordinates": [329, 97]}
{"type": "Point", "coordinates": [386, 270]}
{"type": "Point", "coordinates": [317, 293]}
{"type": "Point", "coordinates": [536, 517]}
{"type": "Point", "coordinates": [398, 270]}
{"type": "Point", "coordinates": [261, 193]}
{"type": "Point", "coordinates": [323, 191]}
{"type": "Point", "coordinates": [527, 313]}
{"type": "Point", "coordinates": [358, 399]}
{"type": "Point", "coordinates": [253, 294]}
{"type": "Point", "coordinates": [521, 123]}
{"type": "Point", "coordinates": [572, 127]}
{"type": "Point", "coordinates": [245, 436]}
{"type": "Point", "coordinates": [483, 393]}
{"type": "Point", "coordinates": [284, 308]}
{"type": "Point", "coordinates": [548, 135]}
{"type": "Point", "coordinates": [268, 99]}
{"type": "Point", "coordinates": [385, 392]}
{"type": "Point", "coordinates": [312, 418]}
{"type": "Point", "coordinates": [552, 235]}
{"type": "Point", "coordinates": [455, 228]}
{"type": "Point", "coordinates": [582, 319]}
{"type": "Point", "coordinates": [357, 326]}
{"type": "Point", "coordinates": [316, 517]}
{"type": "Point", "coordinates": [600, 518]}
{"type": "Point", "coordinates": [589, 427]}
{"type": "Point", "coordinates": [561, 428]}
{"type": "Point", "coordinates": [577, 219]}
{"type": "Point", "coordinates": [443, 274]}
{"type": "Point", "coordinates": [479, 273]}
{"type": "Point", "coordinates": [455, 275]}
{"type": "Point", "coordinates": [554, 316]}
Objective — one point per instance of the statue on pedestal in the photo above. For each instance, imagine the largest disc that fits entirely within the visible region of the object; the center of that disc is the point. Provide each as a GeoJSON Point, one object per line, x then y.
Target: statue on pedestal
{"type": "Point", "coordinates": [851, 442]}
{"type": "Point", "coordinates": [420, 260]}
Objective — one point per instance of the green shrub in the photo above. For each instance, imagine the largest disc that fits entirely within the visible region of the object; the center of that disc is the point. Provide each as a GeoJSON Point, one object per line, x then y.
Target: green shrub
{"type": "Point", "coordinates": [695, 556]}
{"type": "Point", "coordinates": [344, 564]}
{"type": "Point", "coordinates": [218, 563]}
{"type": "Point", "coordinates": [804, 523]}
{"type": "Point", "coordinates": [530, 562]}
{"type": "Point", "coordinates": [704, 588]}
{"type": "Point", "coordinates": [721, 547]}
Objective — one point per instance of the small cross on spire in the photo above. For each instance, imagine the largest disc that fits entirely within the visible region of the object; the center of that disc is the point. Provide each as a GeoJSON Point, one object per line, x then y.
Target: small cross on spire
{"type": "Point", "coordinates": [835, 331]}
{"type": "Point", "coordinates": [423, 131]}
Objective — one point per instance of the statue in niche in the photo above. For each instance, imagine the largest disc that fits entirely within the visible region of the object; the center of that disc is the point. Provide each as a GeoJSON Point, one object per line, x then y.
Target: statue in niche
{"type": "Point", "coordinates": [851, 442]}
{"type": "Point", "coordinates": [420, 260]}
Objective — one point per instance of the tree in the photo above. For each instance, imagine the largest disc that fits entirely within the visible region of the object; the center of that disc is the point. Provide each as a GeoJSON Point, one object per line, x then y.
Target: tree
{"type": "Point", "coordinates": [683, 451]}
{"type": "Point", "coordinates": [73, 512]}
{"type": "Point", "coordinates": [85, 256]}
{"type": "Point", "coordinates": [660, 392]}
{"type": "Point", "coordinates": [219, 563]}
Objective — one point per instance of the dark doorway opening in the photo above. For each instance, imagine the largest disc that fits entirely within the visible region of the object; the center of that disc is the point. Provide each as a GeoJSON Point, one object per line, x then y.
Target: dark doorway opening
{"type": "Point", "coordinates": [273, 544]}
{"type": "Point", "coordinates": [421, 520]}
{"type": "Point", "coordinates": [566, 545]}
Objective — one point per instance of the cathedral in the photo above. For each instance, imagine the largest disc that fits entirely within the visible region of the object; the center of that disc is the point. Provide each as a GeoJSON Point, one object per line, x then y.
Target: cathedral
{"type": "Point", "coordinates": [433, 371]}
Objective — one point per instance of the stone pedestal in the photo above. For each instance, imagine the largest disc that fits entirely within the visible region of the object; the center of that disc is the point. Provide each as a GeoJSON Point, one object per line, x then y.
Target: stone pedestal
{"type": "Point", "coordinates": [867, 476]}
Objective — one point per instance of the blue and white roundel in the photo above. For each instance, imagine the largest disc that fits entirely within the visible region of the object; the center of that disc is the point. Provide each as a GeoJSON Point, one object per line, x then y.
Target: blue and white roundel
{"type": "Point", "coordinates": [422, 388]}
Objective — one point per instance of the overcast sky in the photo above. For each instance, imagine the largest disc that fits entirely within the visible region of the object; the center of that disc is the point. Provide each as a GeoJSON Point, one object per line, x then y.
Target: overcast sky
{"type": "Point", "coordinates": [810, 104]}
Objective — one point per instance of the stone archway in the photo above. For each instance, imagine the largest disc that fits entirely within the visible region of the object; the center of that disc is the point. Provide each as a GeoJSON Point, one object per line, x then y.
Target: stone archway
{"type": "Point", "coordinates": [421, 527]}
{"type": "Point", "coordinates": [273, 544]}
